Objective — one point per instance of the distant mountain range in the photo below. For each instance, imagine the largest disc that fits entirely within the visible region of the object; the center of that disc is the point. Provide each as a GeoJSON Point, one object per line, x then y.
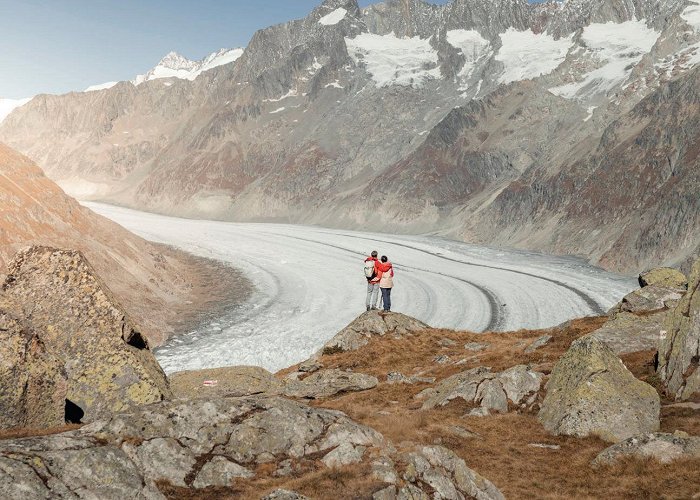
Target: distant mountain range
{"type": "Point", "coordinates": [565, 127]}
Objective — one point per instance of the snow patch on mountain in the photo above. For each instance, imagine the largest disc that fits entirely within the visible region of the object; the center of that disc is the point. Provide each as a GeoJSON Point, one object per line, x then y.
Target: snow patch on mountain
{"type": "Point", "coordinates": [691, 15]}
{"type": "Point", "coordinates": [617, 48]}
{"type": "Point", "coordinates": [102, 86]}
{"type": "Point", "coordinates": [526, 55]}
{"type": "Point", "coordinates": [472, 46]}
{"type": "Point", "coordinates": [334, 17]}
{"type": "Point", "coordinates": [175, 65]}
{"type": "Point", "coordinates": [408, 62]}
{"type": "Point", "coordinates": [7, 106]}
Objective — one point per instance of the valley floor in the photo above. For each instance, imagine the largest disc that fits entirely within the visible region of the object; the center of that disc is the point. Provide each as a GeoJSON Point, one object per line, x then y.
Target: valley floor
{"type": "Point", "coordinates": [309, 283]}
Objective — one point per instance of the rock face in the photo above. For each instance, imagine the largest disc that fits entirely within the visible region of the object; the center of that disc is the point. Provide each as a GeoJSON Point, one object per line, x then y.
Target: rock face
{"type": "Point", "coordinates": [591, 392]}
{"type": "Point", "coordinates": [650, 298]}
{"type": "Point", "coordinates": [663, 277]}
{"type": "Point", "coordinates": [358, 333]}
{"type": "Point", "coordinates": [490, 391]}
{"type": "Point", "coordinates": [107, 361]}
{"type": "Point", "coordinates": [33, 383]}
{"type": "Point", "coordinates": [210, 442]}
{"type": "Point", "coordinates": [679, 349]}
{"type": "Point", "coordinates": [663, 447]}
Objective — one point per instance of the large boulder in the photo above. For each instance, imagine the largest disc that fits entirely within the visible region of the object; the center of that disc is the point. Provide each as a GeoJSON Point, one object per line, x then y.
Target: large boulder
{"type": "Point", "coordinates": [650, 298]}
{"type": "Point", "coordinates": [591, 392]}
{"type": "Point", "coordinates": [663, 277]}
{"type": "Point", "coordinates": [358, 333]}
{"type": "Point", "coordinates": [107, 360]}
{"type": "Point", "coordinates": [679, 349]}
{"type": "Point", "coordinates": [490, 391]}
{"type": "Point", "coordinates": [32, 382]}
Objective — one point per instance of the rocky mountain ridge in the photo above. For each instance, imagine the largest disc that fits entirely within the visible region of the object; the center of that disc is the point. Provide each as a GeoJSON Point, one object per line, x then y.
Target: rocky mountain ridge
{"type": "Point", "coordinates": [477, 120]}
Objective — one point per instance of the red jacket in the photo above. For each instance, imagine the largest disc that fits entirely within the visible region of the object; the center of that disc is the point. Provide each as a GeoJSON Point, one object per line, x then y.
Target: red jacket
{"type": "Point", "coordinates": [383, 267]}
{"type": "Point", "coordinates": [377, 276]}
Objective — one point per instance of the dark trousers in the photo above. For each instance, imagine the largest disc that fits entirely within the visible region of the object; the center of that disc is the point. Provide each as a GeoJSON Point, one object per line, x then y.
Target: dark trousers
{"type": "Point", "coordinates": [386, 298]}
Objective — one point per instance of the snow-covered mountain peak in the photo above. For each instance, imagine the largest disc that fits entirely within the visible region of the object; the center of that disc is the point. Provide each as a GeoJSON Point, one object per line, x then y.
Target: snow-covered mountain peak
{"type": "Point", "coordinates": [175, 65]}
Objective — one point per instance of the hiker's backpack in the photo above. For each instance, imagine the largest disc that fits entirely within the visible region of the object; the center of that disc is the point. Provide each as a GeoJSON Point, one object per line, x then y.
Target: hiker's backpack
{"type": "Point", "coordinates": [369, 270]}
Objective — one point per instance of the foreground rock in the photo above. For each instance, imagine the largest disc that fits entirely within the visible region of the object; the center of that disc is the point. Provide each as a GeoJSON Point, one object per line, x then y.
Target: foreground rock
{"type": "Point", "coordinates": [490, 391]}
{"type": "Point", "coordinates": [591, 392]}
{"type": "Point", "coordinates": [107, 362]}
{"type": "Point", "coordinates": [32, 381]}
{"type": "Point", "coordinates": [212, 442]}
{"type": "Point", "coordinates": [358, 333]}
{"type": "Point", "coordinates": [679, 350]}
{"type": "Point", "coordinates": [663, 447]}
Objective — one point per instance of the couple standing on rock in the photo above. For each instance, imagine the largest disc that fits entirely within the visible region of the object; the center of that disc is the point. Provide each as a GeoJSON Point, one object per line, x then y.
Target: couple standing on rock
{"type": "Point", "coordinates": [380, 276]}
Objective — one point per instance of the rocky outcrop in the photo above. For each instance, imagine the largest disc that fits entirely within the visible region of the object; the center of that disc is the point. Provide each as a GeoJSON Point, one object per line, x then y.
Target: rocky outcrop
{"type": "Point", "coordinates": [489, 391]}
{"type": "Point", "coordinates": [358, 333]}
{"type": "Point", "coordinates": [591, 392]}
{"type": "Point", "coordinates": [107, 361]}
{"type": "Point", "coordinates": [33, 383]}
{"type": "Point", "coordinates": [327, 383]}
{"type": "Point", "coordinates": [198, 444]}
{"type": "Point", "coordinates": [649, 299]}
{"type": "Point", "coordinates": [662, 447]}
{"type": "Point", "coordinates": [679, 349]}
{"type": "Point", "coordinates": [665, 277]}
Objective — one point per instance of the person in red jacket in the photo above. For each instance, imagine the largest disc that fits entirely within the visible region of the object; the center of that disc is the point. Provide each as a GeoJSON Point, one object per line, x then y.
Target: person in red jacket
{"type": "Point", "coordinates": [385, 271]}
{"type": "Point", "coordinates": [372, 282]}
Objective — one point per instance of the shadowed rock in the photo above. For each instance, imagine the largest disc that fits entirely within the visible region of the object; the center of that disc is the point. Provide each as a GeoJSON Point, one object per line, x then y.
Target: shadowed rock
{"type": "Point", "coordinates": [107, 362]}
{"type": "Point", "coordinates": [679, 349]}
{"type": "Point", "coordinates": [591, 392]}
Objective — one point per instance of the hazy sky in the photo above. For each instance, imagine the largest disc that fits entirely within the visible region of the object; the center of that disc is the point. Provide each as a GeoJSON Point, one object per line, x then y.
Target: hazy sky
{"type": "Point", "coordinates": [57, 46]}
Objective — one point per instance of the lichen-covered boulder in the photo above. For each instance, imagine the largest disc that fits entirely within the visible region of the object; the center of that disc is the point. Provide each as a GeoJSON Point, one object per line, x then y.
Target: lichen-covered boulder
{"type": "Point", "coordinates": [107, 360]}
{"type": "Point", "coordinates": [650, 298]}
{"type": "Point", "coordinates": [32, 382]}
{"type": "Point", "coordinates": [358, 333]}
{"type": "Point", "coordinates": [679, 348]}
{"type": "Point", "coordinates": [591, 392]}
{"type": "Point", "coordinates": [663, 276]}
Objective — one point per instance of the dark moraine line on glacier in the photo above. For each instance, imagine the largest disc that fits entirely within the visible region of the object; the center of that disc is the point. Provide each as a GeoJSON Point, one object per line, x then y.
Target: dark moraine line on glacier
{"type": "Point", "coordinates": [497, 311]}
{"type": "Point", "coordinates": [590, 301]}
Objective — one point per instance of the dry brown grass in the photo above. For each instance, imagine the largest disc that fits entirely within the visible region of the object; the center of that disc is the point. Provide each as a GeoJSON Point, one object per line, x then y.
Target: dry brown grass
{"type": "Point", "coordinates": [501, 449]}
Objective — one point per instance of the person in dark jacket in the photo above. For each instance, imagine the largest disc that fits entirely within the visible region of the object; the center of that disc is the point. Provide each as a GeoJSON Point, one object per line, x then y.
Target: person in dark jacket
{"type": "Point", "coordinates": [385, 271]}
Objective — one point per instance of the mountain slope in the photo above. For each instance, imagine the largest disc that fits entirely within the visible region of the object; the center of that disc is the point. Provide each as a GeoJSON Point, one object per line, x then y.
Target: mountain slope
{"type": "Point", "coordinates": [430, 112]}
{"type": "Point", "coordinates": [154, 283]}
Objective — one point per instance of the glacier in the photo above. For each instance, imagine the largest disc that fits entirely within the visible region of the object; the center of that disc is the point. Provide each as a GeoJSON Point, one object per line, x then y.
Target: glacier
{"type": "Point", "coordinates": [309, 284]}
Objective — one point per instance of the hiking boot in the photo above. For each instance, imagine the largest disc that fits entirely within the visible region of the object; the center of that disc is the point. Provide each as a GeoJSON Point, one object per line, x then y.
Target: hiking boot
{"type": "Point", "coordinates": [369, 308]}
